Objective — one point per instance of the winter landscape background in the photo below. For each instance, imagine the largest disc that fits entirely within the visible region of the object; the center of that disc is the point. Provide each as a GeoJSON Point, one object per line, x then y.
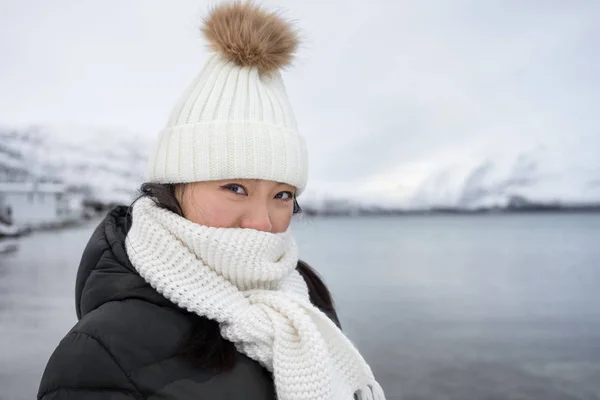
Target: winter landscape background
{"type": "Point", "coordinates": [110, 167]}
{"type": "Point", "coordinates": [435, 130]}
{"type": "Point", "coordinates": [410, 104]}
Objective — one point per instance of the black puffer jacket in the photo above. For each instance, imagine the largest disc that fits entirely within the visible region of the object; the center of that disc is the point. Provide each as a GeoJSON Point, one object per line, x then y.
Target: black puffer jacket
{"type": "Point", "coordinates": [127, 340]}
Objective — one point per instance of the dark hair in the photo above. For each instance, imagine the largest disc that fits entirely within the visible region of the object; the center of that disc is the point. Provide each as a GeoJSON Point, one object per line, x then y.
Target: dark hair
{"type": "Point", "coordinates": [205, 347]}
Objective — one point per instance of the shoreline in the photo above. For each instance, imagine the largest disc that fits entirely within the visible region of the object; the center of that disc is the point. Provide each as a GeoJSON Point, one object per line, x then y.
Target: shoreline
{"type": "Point", "coordinates": [374, 212]}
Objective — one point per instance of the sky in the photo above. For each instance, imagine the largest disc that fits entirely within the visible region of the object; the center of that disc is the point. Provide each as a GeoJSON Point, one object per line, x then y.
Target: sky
{"type": "Point", "coordinates": [400, 102]}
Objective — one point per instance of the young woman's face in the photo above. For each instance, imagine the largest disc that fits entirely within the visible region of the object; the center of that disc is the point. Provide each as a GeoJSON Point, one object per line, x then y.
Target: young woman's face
{"type": "Point", "coordinates": [239, 203]}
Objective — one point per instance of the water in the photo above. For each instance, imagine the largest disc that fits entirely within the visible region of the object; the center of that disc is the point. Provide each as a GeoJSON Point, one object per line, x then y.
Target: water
{"type": "Point", "coordinates": [443, 307]}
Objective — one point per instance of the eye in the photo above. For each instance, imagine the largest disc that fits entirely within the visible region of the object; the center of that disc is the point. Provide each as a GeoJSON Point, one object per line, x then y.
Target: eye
{"type": "Point", "coordinates": [237, 189]}
{"type": "Point", "coordinates": [285, 195]}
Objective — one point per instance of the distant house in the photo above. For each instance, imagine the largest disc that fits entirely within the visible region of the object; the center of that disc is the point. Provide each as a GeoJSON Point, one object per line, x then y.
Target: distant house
{"type": "Point", "coordinates": [36, 204]}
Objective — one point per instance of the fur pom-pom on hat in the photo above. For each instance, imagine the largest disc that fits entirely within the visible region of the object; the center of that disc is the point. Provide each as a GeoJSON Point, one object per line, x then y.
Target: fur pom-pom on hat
{"type": "Point", "coordinates": [246, 34]}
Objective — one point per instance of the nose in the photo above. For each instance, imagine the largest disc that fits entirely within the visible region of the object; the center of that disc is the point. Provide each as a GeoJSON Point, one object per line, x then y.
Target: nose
{"type": "Point", "coordinates": [258, 219]}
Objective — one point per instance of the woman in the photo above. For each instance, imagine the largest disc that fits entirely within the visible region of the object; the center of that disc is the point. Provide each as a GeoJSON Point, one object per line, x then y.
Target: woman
{"type": "Point", "coordinates": [196, 291]}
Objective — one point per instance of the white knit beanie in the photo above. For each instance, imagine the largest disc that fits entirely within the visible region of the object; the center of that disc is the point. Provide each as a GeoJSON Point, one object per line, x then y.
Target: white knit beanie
{"type": "Point", "coordinates": [234, 121]}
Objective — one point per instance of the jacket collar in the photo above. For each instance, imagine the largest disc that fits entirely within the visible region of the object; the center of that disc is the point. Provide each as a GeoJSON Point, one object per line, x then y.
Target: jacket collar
{"type": "Point", "coordinates": [105, 273]}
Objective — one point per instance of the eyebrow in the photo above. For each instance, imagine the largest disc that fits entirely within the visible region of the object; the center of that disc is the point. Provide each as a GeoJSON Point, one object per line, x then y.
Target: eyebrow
{"type": "Point", "coordinates": [258, 180]}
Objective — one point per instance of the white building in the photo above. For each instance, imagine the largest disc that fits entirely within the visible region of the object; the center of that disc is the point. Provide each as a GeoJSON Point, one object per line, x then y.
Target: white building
{"type": "Point", "coordinates": [31, 199]}
{"type": "Point", "coordinates": [34, 205]}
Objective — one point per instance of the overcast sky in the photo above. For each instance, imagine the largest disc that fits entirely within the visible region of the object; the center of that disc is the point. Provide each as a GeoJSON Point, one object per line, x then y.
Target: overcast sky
{"type": "Point", "coordinates": [390, 95]}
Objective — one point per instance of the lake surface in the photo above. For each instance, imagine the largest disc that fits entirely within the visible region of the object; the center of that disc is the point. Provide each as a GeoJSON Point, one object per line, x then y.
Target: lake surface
{"type": "Point", "coordinates": [483, 307]}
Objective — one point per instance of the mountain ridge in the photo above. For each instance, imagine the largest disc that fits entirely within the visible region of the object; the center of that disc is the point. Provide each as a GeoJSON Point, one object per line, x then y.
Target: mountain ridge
{"type": "Point", "coordinates": [110, 165]}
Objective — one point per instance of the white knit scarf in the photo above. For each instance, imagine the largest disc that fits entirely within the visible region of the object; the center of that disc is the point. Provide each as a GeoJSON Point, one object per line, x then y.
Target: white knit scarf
{"type": "Point", "coordinates": [247, 281]}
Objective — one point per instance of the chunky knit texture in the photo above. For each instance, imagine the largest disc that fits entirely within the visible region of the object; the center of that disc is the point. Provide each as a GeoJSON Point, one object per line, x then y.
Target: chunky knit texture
{"type": "Point", "coordinates": [234, 120]}
{"type": "Point", "coordinates": [246, 280]}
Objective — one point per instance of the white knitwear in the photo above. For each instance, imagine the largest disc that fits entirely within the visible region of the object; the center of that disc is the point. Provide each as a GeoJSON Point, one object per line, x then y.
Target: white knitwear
{"type": "Point", "coordinates": [232, 122]}
{"type": "Point", "coordinates": [247, 281]}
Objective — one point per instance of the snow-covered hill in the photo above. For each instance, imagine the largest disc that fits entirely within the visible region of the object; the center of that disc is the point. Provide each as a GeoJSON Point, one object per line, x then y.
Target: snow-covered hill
{"type": "Point", "coordinates": [469, 175]}
{"type": "Point", "coordinates": [110, 163]}
{"type": "Point", "coordinates": [552, 172]}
